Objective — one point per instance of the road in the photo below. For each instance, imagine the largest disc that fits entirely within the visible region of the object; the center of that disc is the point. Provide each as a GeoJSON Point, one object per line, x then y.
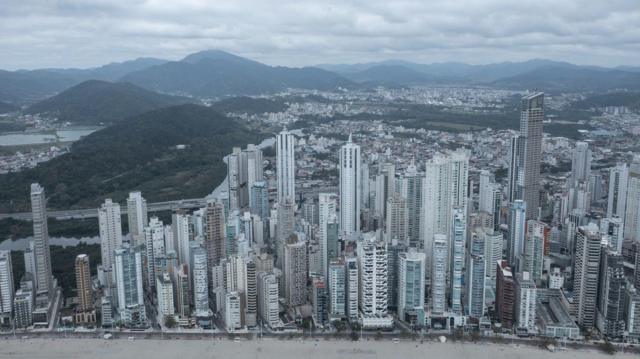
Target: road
{"type": "Point", "coordinates": [191, 203]}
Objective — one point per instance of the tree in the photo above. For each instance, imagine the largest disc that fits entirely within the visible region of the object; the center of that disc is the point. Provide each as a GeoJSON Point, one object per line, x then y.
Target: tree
{"type": "Point", "coordinates": [170, 321]}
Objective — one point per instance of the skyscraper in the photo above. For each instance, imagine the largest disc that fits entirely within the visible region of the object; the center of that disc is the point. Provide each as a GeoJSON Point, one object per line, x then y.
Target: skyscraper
{"type": "Point", "coordinates": [259, 199]}
{"type": "Point", "coordinates": [182, 235]}
{"type": "Point", "coordinates": [505, 294]}
{"type": "Point", "coordinates": [137, 217]}
{"type": "Point", "coordinates": [534, 249]}
{"type": "Point", "coordinates": [155, 249]}
{"type": "Point", "coordinates": [457, 257]}
{"type": "Point", "coordinates": [438, 297]}
{"type": "Point", "coordinates": [412, 191]}
{"type": "Point", "coordinates": [285, 166]}
{"type": "Point", "coordinates": [411, 288]}
{"type": "Point", "coordinates": [295, 271]}
{"type": "Point", "coordinates": [200, 281]}
{"type": "Point", "coordinates": [214, 241]}
{"type": "Point", "coordinates": [516, 156]}
{"type": "Point", "coordinates": [326, 214]}
{"type": "Point", "coordinates": [580, 163]}
{"type": "Point", "coordinates": [268, 307]}
{"type": "Point", "coordinates": [319, 300]}
{"type": "Point", "coordinates": [83, 283]}
{"type": "Point", "coordinates": [6, 287]}
{"type": "Point", "coordinates": [515, 242]}
{"type": "Point", "coordinates": [44, 284]}
{"type": "Point", "coordinates": [110, 236]}
{"type": "Point", "coordinates": [617, 198]}
{"type": "Point", "coordinates": [164, 295]}
{"type": "Point", "coordinates": [372, 263]}
{"type": "Point", "coordinates": [128, 279]}
{"type": "Point", "coordinates": [632, 215]}
{"type": "Point", "coordinates": [337, 289]}
{"type": "Point", "coordinates": [353, 288]}
{"type": "Point", "coordinates": [525, 306]}
{"type": "Point", "coordinates": [585, 276]}
{"type": "Point", "coordinates": [610, 317]}
{"type": "Point", "coordinates": [350, 195]}
{"type": "Point", "coordinates": [233, 178]}
{"type": "Point", "coordinates": [397, 222]}
{"type": "Point", "coordinates": [531, 118]}
{"type": "Point", "coordinates": [475, 277]}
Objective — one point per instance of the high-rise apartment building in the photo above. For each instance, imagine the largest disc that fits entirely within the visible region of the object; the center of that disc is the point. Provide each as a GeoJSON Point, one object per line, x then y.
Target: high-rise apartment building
{"type": "Point", "coordinates": [83, 283]}
{"type": "Point", "coordinates": [350, 196]}
{"type": "Point", "coordinates": [438, 297]}
{"type": "Point", "coordinates": [531, 118]}
{"type": "Point", "coordinates": [515, 242]}
{"type": "Point", "coordinates": [110, 236]}
{"type": "Point", "coordinates": [295, 271]}
{"type": "Point", "coordinates": [137, 217]}
{"type": "Point", "coordinates": [586, 275]}
{"type": "Point", "coordinates": [6, 287]}
{"type": "Point", "coordinates": [457, 258]}
{"type": "Point", "coordinates": [617, 198]}
{"type": "Point", "coordinates": [285, 166]}
{"type": "Point", "coordinates": [326, 214]}
{"type": "Point", "coordinates": [580, 163]}
{"type": "Point", "coordinates": [337, 289]}
{"type": "Point", "coordinates": [44, 278]}
{"type": "Point", "coordinates": [411, 286]}
{"type": "Point", "coordinates": [525, 304]}
{"type": "Point", "coordinates": [610, 319]}
{"type": "Point", "coordinates": [372, 263]}
{"type": "Point", "coordinates": [475, 278]}
{"type": "Point", "coordinates": [268, 307]}
{"type": "Point", "coordinates": [632, 215]}
{"type": "Point", "coordinates": [397, 221]}
{"type": "Point", "coordinates": [505, 294]}
{"type": "Point", "coordinates": [128, 282]}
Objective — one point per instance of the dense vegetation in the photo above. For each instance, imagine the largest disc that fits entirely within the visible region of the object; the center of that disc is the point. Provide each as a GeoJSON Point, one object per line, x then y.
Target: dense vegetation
{"type": "Point", "coordinates": [250, 105]}
{"type": "Point", "coordinates": [94, 102]}
{"type": "Point", "coordinates": [62, 264]}
{"type": "Point", "coordinates": [138, 154]}
{"type": "Point", "coordinates": [628, 99]}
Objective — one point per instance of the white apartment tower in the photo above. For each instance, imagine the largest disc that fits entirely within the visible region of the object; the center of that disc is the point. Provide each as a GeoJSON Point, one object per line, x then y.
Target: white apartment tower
{"type": "Point", "coordinates": [110, 236]}
{"type": "Point", "coordinates": [350, 187]}
{"type": "Point", "coordinates": [617, 198]}
{"type": "Point", "coordinates": [137, 217]}
{"type": "Point", "coordinates": [285, 143]}
{"type": "Point", "coordinates": [411, 274]}
{"type": "Point", "coordinates": [43, 276]}
{"type": "Point", "coordinates": [326, 214]}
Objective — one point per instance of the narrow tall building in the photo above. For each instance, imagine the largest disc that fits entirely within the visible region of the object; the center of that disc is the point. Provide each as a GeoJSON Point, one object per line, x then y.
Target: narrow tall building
{"type": "Point", "coordinates": [457, 257]}
{"type": "Point", "coordinates": [580, 163]}
{"type": "Point", "coordinates": [136, 217]}
{"type": "Point", "coordinates": [438, 297]}
{"type": "Point", "coordinates": [44, 280]}
{"type": "Point", "coordinates": [411, 286]}
{"type": "Point", "coordinates": [110, 236]}
{"type": "Point", "coordinates": [350, 196]}
{"type": "Point", "coordinates": [285, 167]}
{"type": "Point", "coordinates": [128, 280]}
{"type": "Point", "coordinates": [295, 271]}
{"type": "Point", "coordinates": [83, 283]}
{"type": "Point", "coordinates": [505, 294]}
{"type": "Point", "coordinates": [617, 198]}
{"type": "Point", "coordinates": [586, 275]}
{"type": "Point", "coordinates": [372, 263]}
{"type": "Point", "coordinates": [526, 300]}
{"type": "Point", "coordinates": [326, 214]}
{"type": "Point", "coordinates": [610, 319]}
{"type": "Point", "coordinates": [6, 287]}
{"type": "Point", "coordinates": [268, 307]}
{"type": "Point", "coordinates": [337, 289]}
{"type": "Point", "coordinates": [215, 235]}
{"type": "Point", "coordinates": [517, 223]}
{"type": "Point", "coordinates": [412, 191]}
{"type": "Point", "coordinates": [475, 278]}
{"type": "Point", "coordinates": [632, 215]}
{"type": "Point", "coordinates": [531, 118]}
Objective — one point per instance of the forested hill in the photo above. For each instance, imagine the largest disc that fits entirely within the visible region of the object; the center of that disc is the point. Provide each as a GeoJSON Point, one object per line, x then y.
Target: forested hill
{"type": "Point", "coordinates": [137, 154]}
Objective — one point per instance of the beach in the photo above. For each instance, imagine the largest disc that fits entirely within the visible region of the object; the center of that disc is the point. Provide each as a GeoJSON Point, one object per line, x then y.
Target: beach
{"type": "Point", "coordinates": [276, 349]}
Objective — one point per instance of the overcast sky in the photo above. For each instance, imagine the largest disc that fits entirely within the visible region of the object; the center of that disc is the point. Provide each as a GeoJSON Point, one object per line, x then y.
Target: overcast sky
{"type": "Point", "coordinates": [65, 33]}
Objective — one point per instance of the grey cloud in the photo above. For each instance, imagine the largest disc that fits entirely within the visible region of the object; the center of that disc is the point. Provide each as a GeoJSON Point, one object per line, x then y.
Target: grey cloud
{"type": "Point", "coordinates": [64, 33]}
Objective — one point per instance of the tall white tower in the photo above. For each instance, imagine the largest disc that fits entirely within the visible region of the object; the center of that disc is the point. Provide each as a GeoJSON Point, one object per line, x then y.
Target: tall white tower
{"type": "Point", "coordinates": [110, 235]}
{"type": "Point", "coordinates": [137, 217]}
{"type": "Point", "coordinates": [326, 215]}
{"type": "Point", "coordinates": [350, 188]}
{"type": "Point", "coordinates": [44, 283]}
{"type": "Point", "coordinates": [285, 159]}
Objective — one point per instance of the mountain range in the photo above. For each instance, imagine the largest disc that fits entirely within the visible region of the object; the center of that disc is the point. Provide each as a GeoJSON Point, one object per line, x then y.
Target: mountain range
{"type": "Point", "coordinates": [219, 74]}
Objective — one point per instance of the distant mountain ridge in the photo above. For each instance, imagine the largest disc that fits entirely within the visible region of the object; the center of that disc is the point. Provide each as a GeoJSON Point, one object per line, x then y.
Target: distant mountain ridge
{"type": "Point", "coordinates": [95, 101]}
{"type": "Point", "coordinates": [215, 73]}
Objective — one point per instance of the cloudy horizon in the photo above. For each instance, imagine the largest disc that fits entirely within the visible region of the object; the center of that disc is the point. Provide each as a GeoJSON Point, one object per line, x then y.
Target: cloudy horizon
{"type": "Point", "coordinates": [81, 34]}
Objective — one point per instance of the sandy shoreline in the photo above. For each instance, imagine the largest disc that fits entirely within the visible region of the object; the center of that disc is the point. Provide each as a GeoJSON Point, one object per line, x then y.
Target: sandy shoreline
{"type": "Point", "coordinates": [276, 349]}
